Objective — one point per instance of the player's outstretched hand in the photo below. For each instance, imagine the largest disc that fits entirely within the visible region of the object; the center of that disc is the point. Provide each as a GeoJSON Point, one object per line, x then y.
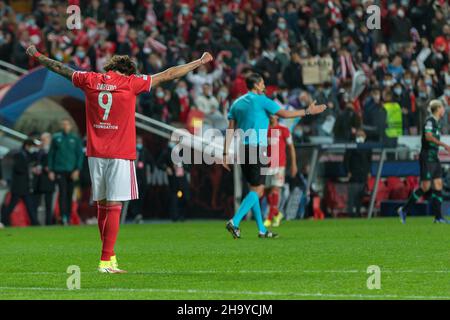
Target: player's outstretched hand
{"type": "Point", "coordinates": [316, 109]}
{"type": "Point", "coordinates": [31, 50]}
{"type": "Point", "coordinates": [206, 58]}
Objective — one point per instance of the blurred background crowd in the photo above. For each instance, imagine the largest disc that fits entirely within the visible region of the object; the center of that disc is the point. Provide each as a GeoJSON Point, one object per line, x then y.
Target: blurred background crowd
{"type": "Point", "coordinates": [403, 64]}
{"type": "Point", "coordinates": [379, 86]}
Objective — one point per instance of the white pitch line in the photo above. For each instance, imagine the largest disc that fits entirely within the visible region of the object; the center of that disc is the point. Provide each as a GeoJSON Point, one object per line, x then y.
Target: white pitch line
{"type": "Point", "coordinates": [220, 292]}
{"type": "Point", "coordinates": [169, 272]}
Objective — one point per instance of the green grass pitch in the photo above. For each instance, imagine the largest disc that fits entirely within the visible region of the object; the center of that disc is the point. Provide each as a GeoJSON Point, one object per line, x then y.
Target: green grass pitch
{"type": "Point", "coordinates": [199, 260]}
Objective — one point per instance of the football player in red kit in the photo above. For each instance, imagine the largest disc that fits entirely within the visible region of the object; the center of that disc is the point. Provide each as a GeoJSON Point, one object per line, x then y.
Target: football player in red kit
{"type": "Point", "coordinates": [111, 134]}
{"type": "Point", "coordinates": [277, 171]}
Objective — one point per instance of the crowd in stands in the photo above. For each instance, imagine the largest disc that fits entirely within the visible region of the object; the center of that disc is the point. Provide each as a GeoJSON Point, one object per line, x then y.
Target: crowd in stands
{"type": "Point", "coordinates": [405, 63]}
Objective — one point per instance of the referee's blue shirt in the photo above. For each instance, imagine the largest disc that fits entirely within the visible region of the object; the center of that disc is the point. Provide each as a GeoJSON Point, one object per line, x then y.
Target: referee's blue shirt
{"type": "Point", "coordinates": [252, 114]}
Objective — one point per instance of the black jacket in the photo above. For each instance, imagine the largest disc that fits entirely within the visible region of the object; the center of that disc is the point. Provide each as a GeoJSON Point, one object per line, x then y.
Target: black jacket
{"type": "Point", "coordinates": [42, 184]}
{"type": "Point", "coordinates": [143, 159]}
{"type": "Point", "coordinates": [358, 162]}
{"type": "Point", "coordinates": [20, 181]}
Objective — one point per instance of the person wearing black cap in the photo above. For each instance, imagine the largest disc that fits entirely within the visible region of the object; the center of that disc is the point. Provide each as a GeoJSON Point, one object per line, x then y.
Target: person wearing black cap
{"type": "Point", "coordinates": [21, 183]}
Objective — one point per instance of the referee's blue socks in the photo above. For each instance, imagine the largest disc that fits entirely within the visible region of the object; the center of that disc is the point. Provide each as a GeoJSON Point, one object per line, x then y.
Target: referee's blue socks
{"type": "Point", "coordinates": [251, 201]}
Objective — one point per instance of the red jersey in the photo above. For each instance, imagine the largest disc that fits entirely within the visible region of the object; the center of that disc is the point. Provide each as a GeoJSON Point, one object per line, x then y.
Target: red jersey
{"type": "Point", "coordinates": [283, 136]}
{"type": "Point", "coordinates": [110, 112]}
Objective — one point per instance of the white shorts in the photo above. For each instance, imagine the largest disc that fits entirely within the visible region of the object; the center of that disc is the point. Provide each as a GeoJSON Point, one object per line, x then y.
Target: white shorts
{"type": "Point", "coordinates": [113, 179]}
{"type": "Point", "coordinates": [276, 177]}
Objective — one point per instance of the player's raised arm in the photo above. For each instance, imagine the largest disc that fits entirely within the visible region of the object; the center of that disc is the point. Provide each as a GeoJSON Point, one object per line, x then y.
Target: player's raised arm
{"type": "Point", "coordinates": [51, 64]}
{"type": "Point", "coordinates": [311, 110]}
{"type": "Point", "coordinates": [180, 71]}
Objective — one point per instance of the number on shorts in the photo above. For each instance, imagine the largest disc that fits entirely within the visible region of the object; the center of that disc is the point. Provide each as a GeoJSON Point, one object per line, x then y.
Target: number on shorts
{"type": "Point", "coordinates": [107, 105]}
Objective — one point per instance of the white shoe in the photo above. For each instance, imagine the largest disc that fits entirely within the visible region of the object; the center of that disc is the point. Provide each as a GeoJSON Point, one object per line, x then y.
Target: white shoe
{"type": "Point", "coordinates": [1, 225]}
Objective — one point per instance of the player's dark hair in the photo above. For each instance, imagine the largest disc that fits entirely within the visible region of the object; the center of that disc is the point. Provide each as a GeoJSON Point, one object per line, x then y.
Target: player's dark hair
{"type": "Point", "coordinates": [122, 64]}
{"type": "Point", "coordinates": [252, 80]}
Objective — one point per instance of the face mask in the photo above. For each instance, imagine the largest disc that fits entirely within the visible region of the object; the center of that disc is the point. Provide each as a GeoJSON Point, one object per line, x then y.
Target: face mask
{"type": "Point", "coordinates": [447, 92]}
{"type": "Point", "coordinates": [398, 91]}
{"type": "Point", "coordinates": [388, 83]}
{"type": "Point", "coordinates": [401, 13]}
{"type": "Point", "coordinates": [81, 54]}
{"type": "Point", "coordinates": [428, 82]}
{"type": "Point", "coordinates": [160, 94]}
{"type": "Point", "coordinates": [327, 91]}
{"type": "Point", "coordinates": [204, 10]}
{"type": "Point", "coordinates": [360, 140]}
{"type": "Point", "coordinates": [227, 37]}
{"type": "Point", "coordinates": [33, 150]}
{"type": "Point", "coordinates": [139, 146]}
{"type": "Point", "coordinates": [351, 27]}
{"type": "Point", "coordinates": [303, 54]}
{"type": "Point", "coordinates": [185, 11]}
{"type": "Point", "coordinates": [219, 21]}
{"type": "Point", "coordinates": [359, 13]}
{"type": "Point", "coordinates": [182, 92]}
{"type": "Point", "coordinates": [298, 133]}
{"type": "Point", "coordinates": [223, 94]}
{"type": "Point", "coordinates": [414, 69]}
{"type": "Point", "coordinates": [376, 97]}
{"type": "Point", "coordinates": [282, 25]}
{"type": "Point", "coordinates": [121, 21]}
{"type": "Point", "coordinates": [408, 82]}
{"type": "Point", "coordinates": [202, 73]}
{"type": "Point", "coordinates": [31, 22]}
{"type": "Point", "coordinates": [59, 57]}
{"type": "Point", "coordinates": [422, 94]}
{"type": "Point", "coordinates": [172, 144]}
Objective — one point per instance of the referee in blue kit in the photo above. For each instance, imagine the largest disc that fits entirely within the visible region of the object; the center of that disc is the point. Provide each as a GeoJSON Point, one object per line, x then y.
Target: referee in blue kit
{"type": "Point", "coordinates": [251, 113]}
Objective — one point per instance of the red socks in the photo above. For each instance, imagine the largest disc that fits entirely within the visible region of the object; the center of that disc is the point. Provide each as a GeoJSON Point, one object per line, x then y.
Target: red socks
{"type": "Point", "coordinates": [108, 225]}
{"type": "Point", "coordinates": [273, 199]}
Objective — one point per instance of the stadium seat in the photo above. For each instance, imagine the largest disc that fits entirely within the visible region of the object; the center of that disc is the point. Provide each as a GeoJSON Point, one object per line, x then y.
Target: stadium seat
{"type": "Point", "coordinates": [398, 189]}
{"type": "Point", "coordinates": [336, 197]}
{"type": "Point", "coordinates": [19, 217]}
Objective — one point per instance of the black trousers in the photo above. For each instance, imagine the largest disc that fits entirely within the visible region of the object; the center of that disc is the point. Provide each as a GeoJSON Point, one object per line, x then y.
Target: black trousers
{"type": "Point", "coordinates": [48, 197]}
{"type": "Point", "coordinates": [29, 204]}
{"type": "Point", "coordinates": [136, 206]}
{"type": "Point", "coordinates": [65, 186]}
{"type": "Point", "coordinates": [355, 197]}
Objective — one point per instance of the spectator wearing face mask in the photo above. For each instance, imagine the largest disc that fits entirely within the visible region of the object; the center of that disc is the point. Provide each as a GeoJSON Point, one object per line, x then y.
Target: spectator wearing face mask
{"type": "Point", "coordinates": [394, 118]}
{"type": "Point", "coordinates": [269, 67]}
{"type": "Point", "coordinates": [209, 105]}
{"type": "Point", "coordinates": [231, 49]}
{"type": "Point", "coordinates": [422, 101]}
{"type": "Point", "coordinates": [43, 186]}
{"type": "Point", "coordinates": [159, 106]}
{"type": "Point", "coordinates": [357, 164]}
{"type": "Point", "coordinates": [374, 117]}
{"type": "Point", "coordinates": [292, 74]}
{"type": "Point", "coordinates": [400, 27]}
{"type": "Point", "coordinates": [401, 97]}
{"type": "Point", "coordinates": [80, 60]}
{"type": "Point", "coordinates": [347, 123]}
{"type": "Point", "coordinates": [282, 33]}
{"type": "Point", "coordinates": [21, 182]}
